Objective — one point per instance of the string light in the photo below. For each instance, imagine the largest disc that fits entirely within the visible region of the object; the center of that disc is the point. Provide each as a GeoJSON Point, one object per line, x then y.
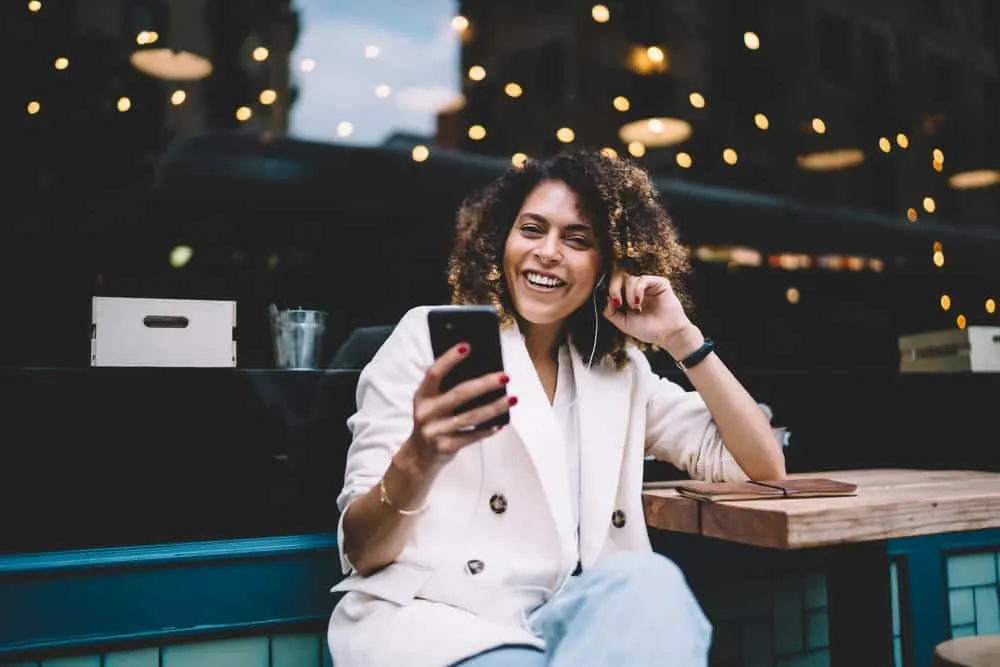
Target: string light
{"type": "Point", "coordinates": [477, 73]}
{"type": "Point", "coordinates": [656, 54]}
{"type": "Point", "coordinates": [911, 214]}
{"type": "Point", "coordinates": [307, 65]}
{"type": "Point", "coordinates": [61, 63]}
{"type": "Point", "coordinates": [960, 321]}
{"type": "Point", "coordinates": [761, 121]}
{"type": "Point", "coordinates": [697, 100]}
{"type": "Point", "coordinates": [636, 149]}
{"type": "Point", "coordinates": [991, 306]}
{"type": "Point", "coordinates": [513, 89]}
{"type": "Point", "coordinates": [751, 40]}
{"type": "Point", "coordinates": [243, 114]}
{"type": "Point", "coordinates": [124, 104]}
{"type": "Point", "coordinates": [460, 23]}
{"type": "Point", "coordinates": [929, 204]}
{"type": "Point", "coordinates": [600, 13]}
{"type": "Point", "coordinates": [345, 128]}
{"type": "Point", "coordinates": [518, 159]}
{"type": "Point", "coordinates": [34, 6]}
{"type": "Point", "coordinates": [177, 97]}
{"type": "Point", "coordinates": [609, 153]}
{"type": "Point", "coordinates": [267, 97]}
{"type": "Point", "coordinates": [945, 302]}
{"type": "Point", "coordinates": [730, 156]}
{"type": "Point", "coordinates": [477, 132]}
{"type": "Point", "coordinates": [34, 107]}
{"type": "Point", "coordinates": [621, 103]}
{"type": "Point", "coordinates": [684, 160]}
{"type": "Point", "coordinates": [884, 145]}
{"type": "Point", "coordinates": [818, 125]}
{"type": "Point", "coordinates": [382, 91]}
{"type": "Point", "coordinates": [565, 135]}
{"type": "Point", "coordinates": [372, 51]}
{"type": "Point", "coordinates": [260, 54]}
{"type": "Point", "coordinates": [420, 153]}
{"type": "Point", "coordinates": [902, 140]}
{"type": "Point", "coordinates": [938, 259]}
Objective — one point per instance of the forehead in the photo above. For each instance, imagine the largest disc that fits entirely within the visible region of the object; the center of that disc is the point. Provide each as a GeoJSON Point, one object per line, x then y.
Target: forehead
{"type": "Point", "coordinates": [554, 201]}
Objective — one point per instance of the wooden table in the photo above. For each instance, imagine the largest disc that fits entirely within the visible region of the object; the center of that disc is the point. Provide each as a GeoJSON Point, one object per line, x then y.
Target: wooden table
{"type": "Point", "coordinates": [890, 504]}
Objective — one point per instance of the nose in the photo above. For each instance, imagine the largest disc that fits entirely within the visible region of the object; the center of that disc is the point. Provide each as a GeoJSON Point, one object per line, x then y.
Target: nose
{"type": "Point", "coordinates": [549, 249]}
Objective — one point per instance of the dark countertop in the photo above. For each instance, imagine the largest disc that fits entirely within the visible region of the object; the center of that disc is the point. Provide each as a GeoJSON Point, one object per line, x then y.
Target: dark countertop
{"type": "Point", "coordinates": [130, 456]}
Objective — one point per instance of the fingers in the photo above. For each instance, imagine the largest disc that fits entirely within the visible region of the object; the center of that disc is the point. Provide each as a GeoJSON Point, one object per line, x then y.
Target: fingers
{"type": "Point", "coordinates": [431, 384]}
{"type": "Point", "coordinates": [463, 423]}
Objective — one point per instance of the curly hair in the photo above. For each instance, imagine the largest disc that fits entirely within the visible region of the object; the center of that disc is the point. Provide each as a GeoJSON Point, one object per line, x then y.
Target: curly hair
{"type": "Point", "coordinates": [616, 197]}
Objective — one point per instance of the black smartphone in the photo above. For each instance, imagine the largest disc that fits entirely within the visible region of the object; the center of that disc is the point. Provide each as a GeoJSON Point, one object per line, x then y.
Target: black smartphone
{"type": "Point", "coordinates": [479, 326]}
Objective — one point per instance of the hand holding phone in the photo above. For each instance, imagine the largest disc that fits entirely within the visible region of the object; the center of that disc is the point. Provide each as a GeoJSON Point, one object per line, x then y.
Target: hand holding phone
{"type": "Point", "coordinates": [463, 396]}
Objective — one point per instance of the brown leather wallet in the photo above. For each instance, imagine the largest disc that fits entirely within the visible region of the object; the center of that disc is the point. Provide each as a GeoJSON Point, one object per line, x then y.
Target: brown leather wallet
{"type": "Point", "coordinates": [806, 487]}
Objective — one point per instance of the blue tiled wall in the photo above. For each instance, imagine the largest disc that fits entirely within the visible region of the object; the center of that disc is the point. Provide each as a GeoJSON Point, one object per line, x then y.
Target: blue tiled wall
{"type": "Point", "coordinates": [300, 650]}
{"type": "Point", "coordinates": [974, 593]}
{"type": "Point", "coordinates": [780, 622]}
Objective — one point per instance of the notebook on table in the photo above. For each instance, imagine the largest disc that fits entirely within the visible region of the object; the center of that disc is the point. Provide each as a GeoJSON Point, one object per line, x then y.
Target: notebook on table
{"type": "Point", "coordinates": [812, 487]}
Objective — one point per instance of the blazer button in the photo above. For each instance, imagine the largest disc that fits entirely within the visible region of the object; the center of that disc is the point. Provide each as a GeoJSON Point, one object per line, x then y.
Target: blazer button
{"type": "Point", "coordinates": [618, 518]}
{"type": "Point", "coordinates": [498, 503]}
{"type": "Point", "coordinates": [474, 566]}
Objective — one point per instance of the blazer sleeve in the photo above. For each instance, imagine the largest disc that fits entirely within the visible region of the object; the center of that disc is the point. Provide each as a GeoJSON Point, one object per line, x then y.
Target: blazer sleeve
{"type": "Point", "coordinates": [384, 416]}
{"type": "Point", "coordinates": [681, 431]}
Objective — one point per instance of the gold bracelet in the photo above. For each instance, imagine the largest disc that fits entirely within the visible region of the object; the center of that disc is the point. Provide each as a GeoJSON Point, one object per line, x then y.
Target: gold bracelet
{"type": "Point", "coordinates": [383, 497]}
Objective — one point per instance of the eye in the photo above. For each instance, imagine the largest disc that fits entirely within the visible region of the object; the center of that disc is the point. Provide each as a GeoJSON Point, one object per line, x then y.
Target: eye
{"type": "Point", "coordinates": [530, 228]}
{"type": "Point", "coordinates": [579, 241]}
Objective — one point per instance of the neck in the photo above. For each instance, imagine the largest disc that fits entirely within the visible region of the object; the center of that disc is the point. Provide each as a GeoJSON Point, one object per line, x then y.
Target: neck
{"type": "Point", "coordinates": [543, 341]}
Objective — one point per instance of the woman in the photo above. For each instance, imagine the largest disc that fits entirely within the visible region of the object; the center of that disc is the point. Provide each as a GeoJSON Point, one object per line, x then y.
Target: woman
{"type": "Point", "coordinates": [526, 545]}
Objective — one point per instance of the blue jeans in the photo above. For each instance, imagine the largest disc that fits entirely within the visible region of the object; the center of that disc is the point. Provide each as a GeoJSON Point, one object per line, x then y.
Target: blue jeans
{"type": "Point", "coordinates": [634, 610]}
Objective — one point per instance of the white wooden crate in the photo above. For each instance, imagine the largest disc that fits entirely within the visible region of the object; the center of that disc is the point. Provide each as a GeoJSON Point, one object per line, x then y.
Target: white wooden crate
{"type": "Point", "coordinates": [162, 332]}
{"type": "Point", "coordinates": [975, 349]}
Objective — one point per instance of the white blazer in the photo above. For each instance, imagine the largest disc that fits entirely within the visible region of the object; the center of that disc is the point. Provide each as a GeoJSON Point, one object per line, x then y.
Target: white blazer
{"type": "Point", "coordinates": [498, 537]}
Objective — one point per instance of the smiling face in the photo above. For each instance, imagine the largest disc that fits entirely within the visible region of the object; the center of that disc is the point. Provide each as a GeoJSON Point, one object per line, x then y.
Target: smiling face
{"type": "Point", "coordinates": [551, 259]}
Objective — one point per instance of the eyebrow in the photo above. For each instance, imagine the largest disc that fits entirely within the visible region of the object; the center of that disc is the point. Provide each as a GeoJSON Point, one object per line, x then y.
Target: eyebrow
{"type": "Point", "coordinates": [573, 226]}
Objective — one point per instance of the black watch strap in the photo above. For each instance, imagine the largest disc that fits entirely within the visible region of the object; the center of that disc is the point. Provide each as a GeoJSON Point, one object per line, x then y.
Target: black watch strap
{"type": "Point", "coordinates": [697, 356]}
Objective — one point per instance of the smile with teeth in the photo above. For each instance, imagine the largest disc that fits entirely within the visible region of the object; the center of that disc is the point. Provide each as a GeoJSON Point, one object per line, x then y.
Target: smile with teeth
{"type": "Point", "coordinates": [538, 280]}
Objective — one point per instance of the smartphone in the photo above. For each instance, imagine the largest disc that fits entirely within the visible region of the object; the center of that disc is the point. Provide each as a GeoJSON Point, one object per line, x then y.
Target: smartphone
{"type": "Point", "coordinates": [479, 326]}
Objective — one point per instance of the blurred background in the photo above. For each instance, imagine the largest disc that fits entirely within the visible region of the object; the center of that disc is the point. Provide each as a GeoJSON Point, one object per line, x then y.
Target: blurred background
{"type": "Point", "coordinates": [832, 165]}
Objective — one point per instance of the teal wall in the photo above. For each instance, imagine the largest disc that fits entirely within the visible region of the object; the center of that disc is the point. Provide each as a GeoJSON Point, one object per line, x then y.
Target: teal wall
{"type": "Point", "coordinates": [974, 593]}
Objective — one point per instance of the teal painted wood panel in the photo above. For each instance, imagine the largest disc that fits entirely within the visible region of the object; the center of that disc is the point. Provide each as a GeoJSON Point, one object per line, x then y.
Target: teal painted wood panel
{"type": "Point", "coordinates": [84, 661]}
{"type": "Point", "coordinates": [296, 650]}
{"type": "Point", "coordinates": [243, 652]}
{"type": "Point", "coordinates": [147, 657]}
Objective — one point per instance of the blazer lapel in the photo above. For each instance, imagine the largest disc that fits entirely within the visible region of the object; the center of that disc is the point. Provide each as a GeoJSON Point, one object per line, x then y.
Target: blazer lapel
{"type": "Point", "coordinates": [603, 395]}
{"type": "Point", "coordinates": [535, 423]}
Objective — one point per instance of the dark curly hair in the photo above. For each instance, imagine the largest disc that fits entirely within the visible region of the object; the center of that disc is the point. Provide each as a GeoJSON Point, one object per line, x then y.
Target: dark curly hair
{"type": "Point", "coordinates": [633, 230]}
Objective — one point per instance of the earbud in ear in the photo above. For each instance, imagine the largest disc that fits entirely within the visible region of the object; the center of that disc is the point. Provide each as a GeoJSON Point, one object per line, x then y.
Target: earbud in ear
{"type": "Point", "coordinates": [600, 280]}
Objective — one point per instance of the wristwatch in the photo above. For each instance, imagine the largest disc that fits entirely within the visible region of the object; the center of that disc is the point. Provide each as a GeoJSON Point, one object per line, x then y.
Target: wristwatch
{"type": "Point", "coordinates": [697, 356]}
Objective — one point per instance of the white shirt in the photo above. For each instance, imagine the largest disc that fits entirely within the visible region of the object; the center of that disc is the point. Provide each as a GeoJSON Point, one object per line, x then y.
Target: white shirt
{"type": "Point", "coordinates": [564, 405]}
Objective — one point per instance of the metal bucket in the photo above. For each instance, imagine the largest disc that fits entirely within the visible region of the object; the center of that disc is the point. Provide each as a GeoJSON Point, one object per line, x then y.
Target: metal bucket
{"type": "Point", "coordinates": [298, 337]}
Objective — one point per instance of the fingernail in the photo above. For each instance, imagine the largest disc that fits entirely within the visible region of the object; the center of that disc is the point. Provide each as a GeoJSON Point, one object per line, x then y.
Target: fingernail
{"type": "Point", "coordinates": [504, 379]}
{"type": "Point", "coordinates": [637, 299]}
{"type": "Point", "coordinates": [512, 400]}
{"type": "Point", "coordinates": [463, 349]}
{"type": "Point", "coordinates": [618, 304]}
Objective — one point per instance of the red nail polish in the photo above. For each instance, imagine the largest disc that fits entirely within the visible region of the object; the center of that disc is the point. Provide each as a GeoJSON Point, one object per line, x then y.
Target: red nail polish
{"type": "Point", "coordinates": [512, 400]}
{"type": "Point", "coordinates": [504, 379]}
{"type": "Point", "coordinates": [637, 299]}
{"type": "Point", "coordinates": [618, 304]}
{"type": "Point", "coordinates": [463, 349]}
